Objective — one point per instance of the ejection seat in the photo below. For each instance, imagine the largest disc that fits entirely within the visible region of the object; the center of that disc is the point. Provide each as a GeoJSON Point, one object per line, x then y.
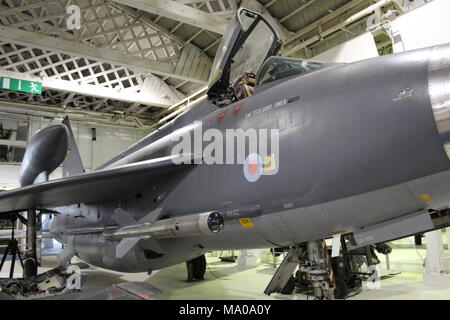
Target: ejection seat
{"type": "Point", "coordinates": [244, 86]}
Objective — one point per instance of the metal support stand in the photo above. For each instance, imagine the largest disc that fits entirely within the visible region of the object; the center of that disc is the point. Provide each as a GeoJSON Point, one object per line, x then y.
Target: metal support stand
{"type": "Point", "coordinates": [30, 262]}
{"type": "Point", "coordinates": [368, 255]}
{"type": "Point", "coordinates": [435, 275]}
{"type": "Point", "coordinates": [274, 258]}
{"type": "Point", "coordinates": [12, 248]}
{"type": "Point", "coordinates": [388, 264]}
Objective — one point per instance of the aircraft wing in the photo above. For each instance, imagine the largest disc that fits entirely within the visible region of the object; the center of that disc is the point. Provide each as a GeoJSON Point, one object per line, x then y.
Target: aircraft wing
{"type": "Point", "coordinates": [89, 187]}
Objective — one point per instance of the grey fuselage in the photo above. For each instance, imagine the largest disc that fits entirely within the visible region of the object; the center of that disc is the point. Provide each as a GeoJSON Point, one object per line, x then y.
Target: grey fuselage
{"type": "Point", "coordinates": [359, 144]}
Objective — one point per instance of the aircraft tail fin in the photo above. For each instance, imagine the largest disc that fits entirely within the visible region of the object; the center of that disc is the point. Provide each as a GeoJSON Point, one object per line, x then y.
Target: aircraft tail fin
{"type": "Point", "coordinates": [72, 165]}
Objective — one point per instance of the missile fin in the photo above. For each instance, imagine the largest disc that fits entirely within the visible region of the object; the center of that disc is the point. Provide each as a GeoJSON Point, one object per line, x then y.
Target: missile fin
{"type": "Point", "coordinates": [125, 245]}
{"type": "Point", "coordinates": [67, 254]}
{"type": "Point", "coordinates": [152, 216]}
{"type": "Point", "coordinates": [123, 218]}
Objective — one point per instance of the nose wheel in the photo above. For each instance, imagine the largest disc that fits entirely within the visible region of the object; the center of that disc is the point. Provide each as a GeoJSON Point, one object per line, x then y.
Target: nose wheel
{"type": "Point", "coordinates": [318, 270]}
{"type": "Point", "coordinates": [314, 267]}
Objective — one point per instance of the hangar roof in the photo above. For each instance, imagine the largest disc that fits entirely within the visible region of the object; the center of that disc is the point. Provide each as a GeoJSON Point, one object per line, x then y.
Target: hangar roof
{"type": "Point", "coordinates": [133, 59]}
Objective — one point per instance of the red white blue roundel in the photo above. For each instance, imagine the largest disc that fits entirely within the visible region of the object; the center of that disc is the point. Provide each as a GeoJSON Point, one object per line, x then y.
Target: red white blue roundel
{"type": "Point", "coordinates": [253, 167]}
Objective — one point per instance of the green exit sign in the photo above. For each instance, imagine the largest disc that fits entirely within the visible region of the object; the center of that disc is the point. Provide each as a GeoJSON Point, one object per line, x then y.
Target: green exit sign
{"type": "Point", "coordinates": [12, 84]}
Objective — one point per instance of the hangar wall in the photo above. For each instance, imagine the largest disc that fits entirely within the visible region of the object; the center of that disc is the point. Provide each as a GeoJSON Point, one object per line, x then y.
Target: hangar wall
{"type": "Point", "coordinates": [109, 142]}
{"type": "Point", "coordinates": [425, 26]}
{"type": "Point", "coordinates": [422, 27]}
{"type": "Point", "coordinates": [359, 48]}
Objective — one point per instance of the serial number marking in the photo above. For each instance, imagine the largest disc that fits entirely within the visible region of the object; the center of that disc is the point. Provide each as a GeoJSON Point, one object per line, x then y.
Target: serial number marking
{"type": "Point", "coordinates": [271, 106]}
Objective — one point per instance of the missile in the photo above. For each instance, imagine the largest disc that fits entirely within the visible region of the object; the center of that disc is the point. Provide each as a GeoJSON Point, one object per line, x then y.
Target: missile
{"type": "Point", "coordinates": [128, 235]}
{"type": "Point", "coordinates": [206, 223]}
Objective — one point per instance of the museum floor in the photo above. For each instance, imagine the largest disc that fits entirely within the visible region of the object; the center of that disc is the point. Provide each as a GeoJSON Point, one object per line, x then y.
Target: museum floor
{"type": "Point", "coordinates": [225, 280]}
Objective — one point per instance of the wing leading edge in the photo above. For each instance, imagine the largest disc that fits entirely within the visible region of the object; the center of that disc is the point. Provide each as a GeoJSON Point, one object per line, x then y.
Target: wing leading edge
{"type": "Point", "coordinates": [90, 187]}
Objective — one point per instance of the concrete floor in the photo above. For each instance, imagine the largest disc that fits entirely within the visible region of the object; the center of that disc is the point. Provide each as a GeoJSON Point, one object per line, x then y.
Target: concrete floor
{"type": "Point", "coordinates": [225, 281]}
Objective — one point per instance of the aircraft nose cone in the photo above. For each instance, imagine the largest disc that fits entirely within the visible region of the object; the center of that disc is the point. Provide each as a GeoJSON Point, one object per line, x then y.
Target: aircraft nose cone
{"type": "Point", "coordinates": [439, 89]}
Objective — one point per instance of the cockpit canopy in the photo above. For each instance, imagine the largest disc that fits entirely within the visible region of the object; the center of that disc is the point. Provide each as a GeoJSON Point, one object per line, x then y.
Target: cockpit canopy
{"type": "Point", "coordinates": [276, 68]}
{"type": "Point", "coordinates": [253, 52]}
{"type": "Point", "coordinates": [246, 59]}
{"type": "Point", "coordinates": [248, 42]}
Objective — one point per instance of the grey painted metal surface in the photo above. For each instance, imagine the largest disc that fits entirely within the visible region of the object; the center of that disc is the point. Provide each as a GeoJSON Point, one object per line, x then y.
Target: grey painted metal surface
{"type": "Point", "coordinates": [359, 146]}
{"type": "Point", "coordinates": [72, 164]}
{"type": "Point", "coordinates": [86, 188]}
{"type": "Point", "coordinates": [46, 150]}
{"type": "Point", "coordinates": [347, 153]}
{"type": "Point", "coordinates": [400, 227]}
{"type": "Point", "coordinates": [439, 87]}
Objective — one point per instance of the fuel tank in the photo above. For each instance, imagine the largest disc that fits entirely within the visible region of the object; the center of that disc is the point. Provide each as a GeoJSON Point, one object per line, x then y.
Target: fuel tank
{"type": "Point", "coordinates": [46, 150]}
{"type": "Point", "coordinates": [145, 256]}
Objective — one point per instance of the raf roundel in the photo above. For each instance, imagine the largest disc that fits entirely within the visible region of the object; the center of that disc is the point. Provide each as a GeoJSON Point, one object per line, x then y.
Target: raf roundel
{"type": "Point", "coordinates": [253, 167]}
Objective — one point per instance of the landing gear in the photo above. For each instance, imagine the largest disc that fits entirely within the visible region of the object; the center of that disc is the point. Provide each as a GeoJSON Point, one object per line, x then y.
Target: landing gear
{"type": "Point", "coordinates": [196, 268]}
{"type": "Point", "coordinates": [341, 289]}
{"type": "Point", "coordinates": [317, 269]}
{"type": "Point", "coordinates": [324, 277]}
{"type": "Point", "coordinates": [30, 262]}
{"type": "Point", "coordinates": [314, 271]}
{"type": "Point", "coordinates": [289, 287]}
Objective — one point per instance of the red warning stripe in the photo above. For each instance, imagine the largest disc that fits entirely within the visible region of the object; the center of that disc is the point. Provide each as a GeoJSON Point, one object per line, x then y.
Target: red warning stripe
{"type": "Point", "coordinates": [221, 116]}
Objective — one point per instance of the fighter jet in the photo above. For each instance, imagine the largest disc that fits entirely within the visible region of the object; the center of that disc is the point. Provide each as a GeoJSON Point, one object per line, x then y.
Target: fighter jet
{"type": "Point", "coordinates": [360, 148]}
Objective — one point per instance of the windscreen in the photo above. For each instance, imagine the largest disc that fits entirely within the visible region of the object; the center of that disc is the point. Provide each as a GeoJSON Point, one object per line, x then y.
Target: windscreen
{"type": "Point", "coordinates": [277, 68]}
